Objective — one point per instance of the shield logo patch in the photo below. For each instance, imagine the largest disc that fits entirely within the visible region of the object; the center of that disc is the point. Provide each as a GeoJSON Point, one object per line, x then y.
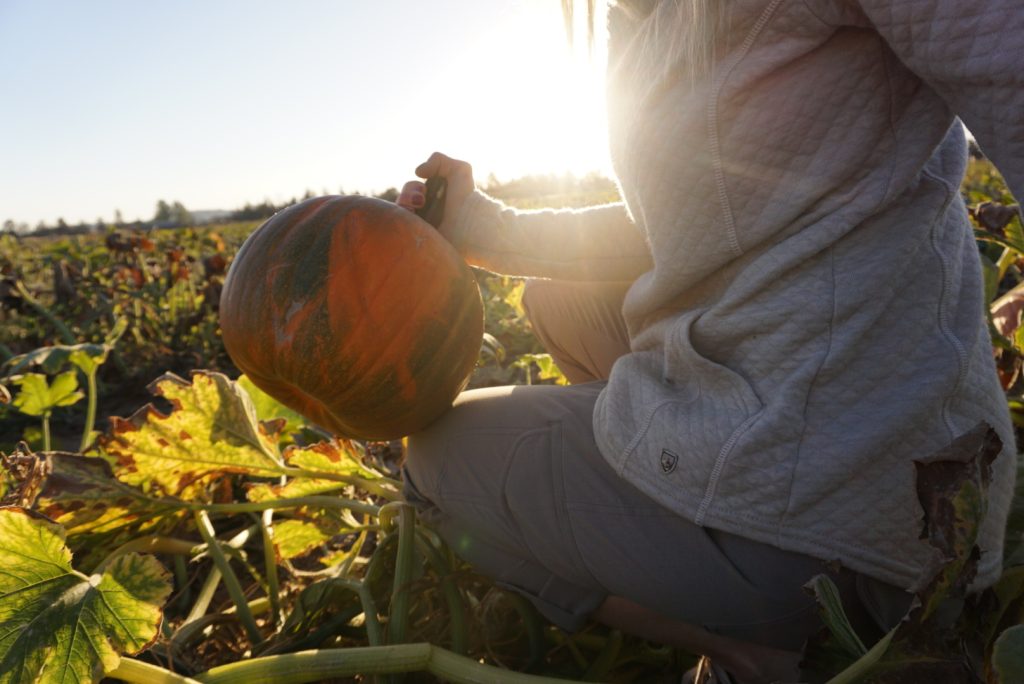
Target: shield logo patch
{"type": "Point", "coordinates": [668, 461]}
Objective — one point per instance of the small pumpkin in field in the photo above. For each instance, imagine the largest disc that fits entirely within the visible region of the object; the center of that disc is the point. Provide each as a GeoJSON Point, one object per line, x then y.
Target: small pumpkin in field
{"type": "Point", "coordinates": [355, 313]}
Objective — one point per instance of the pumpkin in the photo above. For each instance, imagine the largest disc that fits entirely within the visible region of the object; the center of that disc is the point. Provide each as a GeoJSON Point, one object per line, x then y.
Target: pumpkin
{"type": "Point", "coordinates": [354, 312]}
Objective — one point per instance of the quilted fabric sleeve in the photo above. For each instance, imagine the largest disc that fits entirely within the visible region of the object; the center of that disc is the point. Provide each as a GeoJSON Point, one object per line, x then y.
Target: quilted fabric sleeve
{"type": "Point", "coordinates": [598, 243]}
{"type": "Point", "coordinates": [971, 52]}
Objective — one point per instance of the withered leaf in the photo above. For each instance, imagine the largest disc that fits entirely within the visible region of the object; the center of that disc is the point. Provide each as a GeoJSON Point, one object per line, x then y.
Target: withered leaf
{"type": "Point", "coordinates": [24, 474]}
{"type": "Point", "coordinates": [336, 457]}
{"type": "Point", "coordinates": [928, 644]}
{"type": "Point", "coordinates": [212, 430]}
{"type": "Point", "coordinates": [81, 493]}
{"type": "Point", "coordinates": [951, 487]}
{"type": "Point", "coordinates": [995, 216]}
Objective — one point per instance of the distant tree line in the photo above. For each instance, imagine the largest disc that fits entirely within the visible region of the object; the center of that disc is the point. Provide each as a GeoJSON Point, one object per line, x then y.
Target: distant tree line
{"type": "Point", "coordinates": [266, 209]}
{"type": "Point", "coordinates": [174, 214]}
{"type": "Point", "coordinates": [171, 215]}
{"type": "Point", "coordinates": [549, 185]}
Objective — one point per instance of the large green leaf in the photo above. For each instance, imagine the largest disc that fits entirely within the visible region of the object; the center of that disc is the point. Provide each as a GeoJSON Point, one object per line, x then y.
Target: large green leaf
{"type": "Point", "coordinates": [58, 625]}
{"type": "Point", "coordinates": [211, 430]}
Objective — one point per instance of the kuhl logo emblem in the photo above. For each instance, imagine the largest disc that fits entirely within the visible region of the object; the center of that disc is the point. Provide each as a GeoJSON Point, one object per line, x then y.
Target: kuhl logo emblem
{"type": "Point", "coordinates": [668, 461]}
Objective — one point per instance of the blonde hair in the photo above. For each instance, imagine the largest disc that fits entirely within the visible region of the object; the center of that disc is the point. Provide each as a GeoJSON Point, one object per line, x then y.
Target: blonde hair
{"type": "Point", "coordinates": [706, 22]}
{"type": "Point", "coordinates": [569, 15]}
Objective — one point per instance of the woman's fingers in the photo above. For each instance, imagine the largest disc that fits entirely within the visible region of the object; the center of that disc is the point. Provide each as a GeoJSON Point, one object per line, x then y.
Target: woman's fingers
{"type": "Point", "coordinates": [430, 167]}
{"type": "Point", "coordinates": [454, 170]}
{"type": "Point", "coordinates": [459, 175]}
{"type": "Point", "coordinates": [413, 195]}
{"type": "Point", "coordinates": [439, 165]}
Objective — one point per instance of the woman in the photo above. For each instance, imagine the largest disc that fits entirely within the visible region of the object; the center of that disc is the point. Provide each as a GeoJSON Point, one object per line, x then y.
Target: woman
{"type": "Point", "coordinates": [784, 314]}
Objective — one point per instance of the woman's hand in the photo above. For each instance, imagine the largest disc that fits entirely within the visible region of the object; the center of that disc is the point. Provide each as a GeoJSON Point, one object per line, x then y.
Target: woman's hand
{"type": "Point", "coordinates": [459, 175]}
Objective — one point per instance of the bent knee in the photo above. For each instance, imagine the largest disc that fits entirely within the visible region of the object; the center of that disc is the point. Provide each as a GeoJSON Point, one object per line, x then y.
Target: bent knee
{"type": "Point", "coordinates": [539, 295]}
{"type": "Point", "coordinates": [422, 469]}
{"type": "Point", "coordinates": [431, 451]}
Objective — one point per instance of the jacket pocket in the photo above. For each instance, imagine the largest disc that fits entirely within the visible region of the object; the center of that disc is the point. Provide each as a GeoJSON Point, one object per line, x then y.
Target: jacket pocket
{"type": "Point", "coordinates": [688, 437]}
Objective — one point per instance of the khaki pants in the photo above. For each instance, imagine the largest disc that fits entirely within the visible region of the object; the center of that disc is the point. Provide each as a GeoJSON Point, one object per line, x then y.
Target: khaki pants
{"type": "Point", "coordinates": [512, 479]}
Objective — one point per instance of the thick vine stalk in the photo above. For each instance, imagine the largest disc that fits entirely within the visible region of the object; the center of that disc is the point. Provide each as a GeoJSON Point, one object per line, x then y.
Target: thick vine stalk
{"type": "Point", "coordinates": [230, 579]}
{"type": "Point", "coordinates": [259, 506]}
{"type": "Point", "coordinates": [314, 666]}
{"type": "Point", "coordinates": [90, 410]}
{"type": "Point", "coordinates": [398, 621]}
{"type": "Point", "coordinates": [270, 565]}
{"type": "Point", "coordinates": [151, 544]}
{"type": "Point", "coordinates": [138, 672]}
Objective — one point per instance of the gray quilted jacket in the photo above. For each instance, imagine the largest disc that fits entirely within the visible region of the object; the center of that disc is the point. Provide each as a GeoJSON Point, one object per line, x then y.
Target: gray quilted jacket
{"type": "Point", "coordinates": [807, 315]}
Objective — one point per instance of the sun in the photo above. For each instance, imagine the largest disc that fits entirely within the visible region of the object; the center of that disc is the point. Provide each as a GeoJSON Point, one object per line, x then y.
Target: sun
{"type": "Point", "coordinates": [528, 103]}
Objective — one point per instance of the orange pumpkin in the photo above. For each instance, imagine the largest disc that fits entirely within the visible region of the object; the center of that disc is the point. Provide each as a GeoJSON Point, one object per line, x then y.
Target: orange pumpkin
{"type": "Point", "coordinates": [355, 313]}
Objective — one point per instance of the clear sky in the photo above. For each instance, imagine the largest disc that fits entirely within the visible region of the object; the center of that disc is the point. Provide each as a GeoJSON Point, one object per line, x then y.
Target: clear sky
{"type": "Point", "coordinates": [108, 104]}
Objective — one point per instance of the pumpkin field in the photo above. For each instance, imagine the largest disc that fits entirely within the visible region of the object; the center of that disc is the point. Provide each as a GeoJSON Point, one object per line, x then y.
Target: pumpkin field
{"type": "Point", "coordinates": [165, 520]}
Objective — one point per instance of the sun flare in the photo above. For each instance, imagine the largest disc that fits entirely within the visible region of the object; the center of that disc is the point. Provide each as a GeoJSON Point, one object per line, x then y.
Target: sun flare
{"type": "Point", "coordinates": [535, 105]}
